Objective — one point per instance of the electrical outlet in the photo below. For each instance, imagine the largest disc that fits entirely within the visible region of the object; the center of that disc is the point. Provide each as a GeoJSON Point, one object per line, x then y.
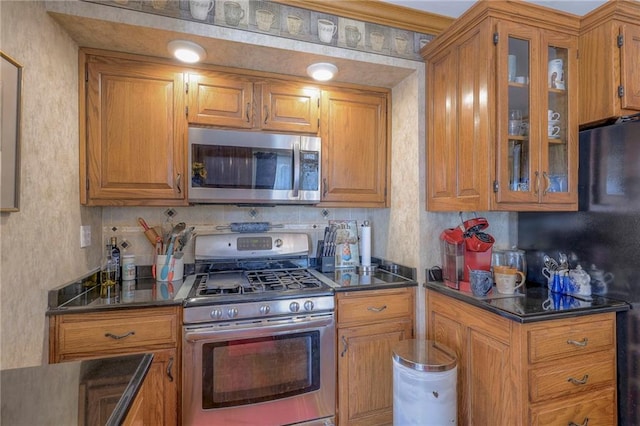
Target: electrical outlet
{"type": "Point", "coordinates": [85, 236]}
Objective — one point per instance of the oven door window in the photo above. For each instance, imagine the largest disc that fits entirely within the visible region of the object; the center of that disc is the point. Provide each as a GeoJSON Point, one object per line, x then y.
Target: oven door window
{"type": "Point", "coordinates": [231, 167]}
{"type": "Point", "coordinates": [248, 371]}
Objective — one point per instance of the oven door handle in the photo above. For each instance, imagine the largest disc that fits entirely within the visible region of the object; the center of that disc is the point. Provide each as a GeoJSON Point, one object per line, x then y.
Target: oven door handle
{"type": "Point", "coordinates": [216, 333]}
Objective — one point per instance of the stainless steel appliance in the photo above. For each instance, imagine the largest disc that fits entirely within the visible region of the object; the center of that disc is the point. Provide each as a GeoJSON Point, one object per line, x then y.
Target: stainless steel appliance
{"type": "Point", "coordinates": [236, 167]}
{"type": "Point", "coordinates": [258, 335]}
{"type": "Point", "coordinates": [604, 238]}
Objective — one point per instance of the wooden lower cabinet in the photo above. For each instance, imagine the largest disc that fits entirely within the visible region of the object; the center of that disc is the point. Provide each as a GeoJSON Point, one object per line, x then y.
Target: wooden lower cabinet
{"type": "Point", "coordinates": [554, 372]}
{"type": "Point", "coordinates": [370, 323]}
{"type": "Point", "coordinates": [101, 334]}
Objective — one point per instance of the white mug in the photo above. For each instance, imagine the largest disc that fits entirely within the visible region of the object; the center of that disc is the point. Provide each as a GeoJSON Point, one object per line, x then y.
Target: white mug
{"type": "Point", "coordinates": [506, 282]}
{"type": "Point", "coordinates": [326, 30]}
{"type": "Point", "coordinates": [553, 129]}
{"type": "Point", "coordinates": [552, 115]}
{"type": "Point", "coordinates": [556, 74]}
{"type": "Point", "coordinates": [200, 8]}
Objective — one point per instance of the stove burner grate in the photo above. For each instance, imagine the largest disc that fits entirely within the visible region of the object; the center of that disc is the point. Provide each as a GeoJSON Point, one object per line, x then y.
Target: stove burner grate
{"type": "Point", "coordinates": [285, 279]}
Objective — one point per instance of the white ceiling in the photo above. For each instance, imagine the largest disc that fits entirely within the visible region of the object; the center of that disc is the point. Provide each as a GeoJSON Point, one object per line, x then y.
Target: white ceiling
{"type": "Point", "coordinates": [455, 8]}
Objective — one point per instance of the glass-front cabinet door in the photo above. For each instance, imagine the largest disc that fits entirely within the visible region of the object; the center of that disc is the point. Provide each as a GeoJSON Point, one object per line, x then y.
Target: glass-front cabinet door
{"type": "Point", "coordinates": [536, 135]}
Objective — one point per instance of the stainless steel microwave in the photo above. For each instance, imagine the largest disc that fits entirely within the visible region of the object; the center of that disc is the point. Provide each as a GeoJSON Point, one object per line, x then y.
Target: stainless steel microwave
{"type": "Point", "coordinates": [236, 167]}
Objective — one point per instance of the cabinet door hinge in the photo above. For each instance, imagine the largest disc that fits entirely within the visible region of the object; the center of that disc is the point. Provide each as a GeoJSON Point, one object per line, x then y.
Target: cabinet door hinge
{"type": "Point", "coordinates": [496, 186]}
{"type": "Point", "coordinates": [621, 91]}
{"type": "Point", "coordinates": [496, 38]}
{"type": "Point", "coordinates": [186, 110]}
{"type": "Point", "coordinates": [86, 184]}
{"type": "Point", "coordinates": [86, 74]}
{"type": "Point", "coordinates": [620, 40]}
{"type": "Point", "coordinates": [186, 83]}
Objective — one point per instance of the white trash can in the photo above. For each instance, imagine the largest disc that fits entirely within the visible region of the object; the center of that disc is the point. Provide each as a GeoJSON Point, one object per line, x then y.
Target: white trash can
{"type": "Point", "coordinates": [424, 384]}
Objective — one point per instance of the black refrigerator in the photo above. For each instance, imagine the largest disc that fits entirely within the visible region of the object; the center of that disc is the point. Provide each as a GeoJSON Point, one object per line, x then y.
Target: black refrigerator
{"type": "Point", "coordinates": [603, 237]}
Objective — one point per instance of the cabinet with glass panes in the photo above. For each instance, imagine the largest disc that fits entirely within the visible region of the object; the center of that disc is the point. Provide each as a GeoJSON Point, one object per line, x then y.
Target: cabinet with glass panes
{"type": "Point", "coordinates": [513, 102]}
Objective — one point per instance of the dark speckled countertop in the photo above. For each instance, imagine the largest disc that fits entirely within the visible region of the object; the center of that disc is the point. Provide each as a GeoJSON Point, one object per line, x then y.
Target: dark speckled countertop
{"type": "Point", "coordinates": [72, 393]}
{"type": "Point", "coordinates": [531, 305]}
{"type": "Point", "coordinates": [84, 295]}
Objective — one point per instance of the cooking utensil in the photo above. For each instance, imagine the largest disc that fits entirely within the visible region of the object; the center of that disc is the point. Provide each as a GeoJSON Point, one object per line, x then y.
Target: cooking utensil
{"type": "Point", "coordinates": [174, 234]}
{"type": "Point", "coordinates": [150, 233]}
{"type": "Point", "coordinates": [184, 238]}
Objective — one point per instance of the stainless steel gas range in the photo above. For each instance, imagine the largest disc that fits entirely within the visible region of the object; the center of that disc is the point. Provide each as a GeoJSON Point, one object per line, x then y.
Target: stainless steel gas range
{"type": "Point", "coordinates": [258, 334]}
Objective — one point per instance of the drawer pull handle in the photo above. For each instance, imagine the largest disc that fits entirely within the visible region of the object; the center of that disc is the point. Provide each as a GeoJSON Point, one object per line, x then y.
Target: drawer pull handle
{"type": "Point", "coordinates": [122, 336]}
{"type": "Point", "coordinates": [582, 343]}
{"type": "Point", "coordinates": [374, 309]}
{"type": "Point", "coordinates": [584, 423]}
{"type": "Point", "coordinates": [346, 346]}
{"type": "Point", "coordinates": [169, 368]}
{"type": "Point", "coordinates": [582, 381]}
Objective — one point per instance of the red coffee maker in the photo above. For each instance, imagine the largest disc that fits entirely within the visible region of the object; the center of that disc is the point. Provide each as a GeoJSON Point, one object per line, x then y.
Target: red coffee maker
{"type": "Point", "coordinates": [465, 248]}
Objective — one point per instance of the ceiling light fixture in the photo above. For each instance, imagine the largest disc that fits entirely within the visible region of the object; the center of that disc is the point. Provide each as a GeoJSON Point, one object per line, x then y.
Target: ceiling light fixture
{"type": "Point", "coordinates": [187, 51]}
{"type": "Point", "coordinates": [322, 71]}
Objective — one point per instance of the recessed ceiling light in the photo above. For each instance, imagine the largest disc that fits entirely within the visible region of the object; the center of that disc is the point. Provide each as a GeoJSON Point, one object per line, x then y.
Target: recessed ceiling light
{"type": "Point", "coordinates": [322, 71]}
{"type": "Point", "coordinates": [186, 51]}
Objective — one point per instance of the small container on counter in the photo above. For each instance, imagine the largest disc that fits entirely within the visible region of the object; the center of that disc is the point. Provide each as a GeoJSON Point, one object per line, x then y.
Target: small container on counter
{"type": "Point", "coordinates": [128, 267]}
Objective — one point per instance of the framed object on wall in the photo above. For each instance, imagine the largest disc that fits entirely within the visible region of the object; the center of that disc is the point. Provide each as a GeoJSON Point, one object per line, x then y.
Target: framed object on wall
{"type": "Point", "coordinates": [10, 114]}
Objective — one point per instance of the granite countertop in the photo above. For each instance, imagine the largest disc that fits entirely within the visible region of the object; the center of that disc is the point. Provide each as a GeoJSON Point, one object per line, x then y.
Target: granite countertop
{"type": "Point", "coordinates": [84, 295]}
{"type": "Point", "coordinates": [72, 393]}
{"type": "Point", "coordinates": [532, 305]}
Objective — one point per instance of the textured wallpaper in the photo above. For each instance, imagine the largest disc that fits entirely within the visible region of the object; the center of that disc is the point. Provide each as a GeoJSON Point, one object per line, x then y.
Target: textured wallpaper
{"type": "Point", "coordinates": [40, 244]}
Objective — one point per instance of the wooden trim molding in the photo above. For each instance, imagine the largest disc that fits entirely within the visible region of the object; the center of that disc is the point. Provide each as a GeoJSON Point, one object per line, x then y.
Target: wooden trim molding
{"type": "Point", "coordinates": [377, 12]}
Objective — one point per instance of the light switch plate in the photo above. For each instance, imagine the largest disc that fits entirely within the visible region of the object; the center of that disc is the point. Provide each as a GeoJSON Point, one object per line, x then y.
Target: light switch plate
{"type": "Point", "coordinates": [85, 236]}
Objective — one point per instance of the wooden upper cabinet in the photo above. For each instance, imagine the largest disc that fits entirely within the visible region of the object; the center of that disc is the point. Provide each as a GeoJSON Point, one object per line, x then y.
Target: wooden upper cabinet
{"type": "Point", "coordinates": [474, 160]}
{"type": "Point", "coordinates": [219, 99]}
{"type": "Point", "coordinates": [609, 62]}
{"type": "Point", "coordinates": [290, 107]}
{"type": "Point", "coordinates": [134, 149]}
{"type": "Point", "coordinates": [458, 147]}
{"type": "Point", "coordinates": [355, 148]}
{"type": "Point", "coordinates": [236, 101]}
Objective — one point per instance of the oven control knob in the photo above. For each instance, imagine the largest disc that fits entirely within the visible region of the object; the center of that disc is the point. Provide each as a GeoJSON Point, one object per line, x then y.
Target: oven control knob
{"type": "Point", "coordinates": [265, 309]}
{"type": "Point", "coordinates": [294, 306]}
{"type": "Point", "coordinates": [216, 313]}
{"type": "Point", "coordinates": [308, 305]}
{"type": "Point", "coordinates": [278, 242]}
{"type": "Point", "coordinates": [232, 312]}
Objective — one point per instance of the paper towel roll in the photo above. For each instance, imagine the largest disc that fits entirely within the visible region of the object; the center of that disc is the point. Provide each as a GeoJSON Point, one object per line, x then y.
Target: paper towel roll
{"type": "Point", "coordinates": [365, 243]}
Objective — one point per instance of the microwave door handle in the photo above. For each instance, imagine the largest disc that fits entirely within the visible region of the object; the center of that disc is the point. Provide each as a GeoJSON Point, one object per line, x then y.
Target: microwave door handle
{"type": "Point", "coordinates": [296, 170]}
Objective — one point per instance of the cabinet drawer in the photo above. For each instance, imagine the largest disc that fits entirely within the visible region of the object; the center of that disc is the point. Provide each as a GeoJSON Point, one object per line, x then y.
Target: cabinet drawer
{"type": "Point", "coordinates": [597, 409]}
{"type": "Point", "coordinates": [571, 340]}
{"type": "Point", "coordinates": [574, 376]}
{"type": "Point", "coordinates": [90, 335]}
{"type": "Point", "coordinates": [376, 307]}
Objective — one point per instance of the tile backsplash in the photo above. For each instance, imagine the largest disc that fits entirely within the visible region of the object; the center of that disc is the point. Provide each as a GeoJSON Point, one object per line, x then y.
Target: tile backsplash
{"type": "Point", "coordinates": [122, 222]}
